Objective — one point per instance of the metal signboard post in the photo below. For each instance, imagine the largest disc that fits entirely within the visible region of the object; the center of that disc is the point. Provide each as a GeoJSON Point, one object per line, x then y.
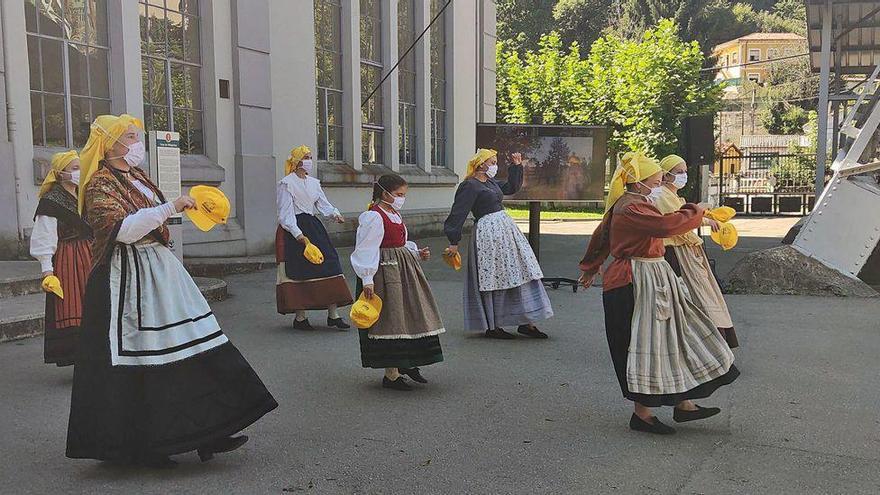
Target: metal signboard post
{"type": "Point", "coordinates": [165, 170]}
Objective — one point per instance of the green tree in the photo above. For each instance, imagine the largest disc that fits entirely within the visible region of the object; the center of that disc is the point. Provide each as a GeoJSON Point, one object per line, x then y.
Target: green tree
{"type": "Point", "coordinates": [521, 23]}
{"type": "Point", "coordinates": [583, 21]}
{"type": "Point", "coordinates": [784, 118]}
{"type": "Point", "coordinates": [643, 88]}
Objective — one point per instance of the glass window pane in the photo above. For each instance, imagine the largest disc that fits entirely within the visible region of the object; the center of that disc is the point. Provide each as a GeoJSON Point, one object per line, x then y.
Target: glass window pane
{"type": "Point", "coordinates": [81, 117]}
{"type": "Point", "coordinates": [51, 18]}
{"type": "Point", "coordinates": [76, 21]}
{"type": "Point", "coordinates": [178, 85]}
{"type": "Point", "coordinates": [173, 5]}
{"type": "Point", "coordinates": [79, 69]}
{"type": "Point", "coordinates": [157, 32]}
{"type": "Point", "coordinates": [174, 25]}
{"type": "Point", "coordinates": [371, 147]}
{"type": "Point", "coordinates": [156, 82]}
{"type": "Point", "coordinates": [145, 28]}
{"type": "Point", "coordinates": [335, 144]}
{"type": "Point", "coordinates": [160, 119]}
{"type": "Point", "coordinates": [148, 118]}
{"type": "Point", "coordinates": [56, 122]}
{"type": "Point", "coordinates": [100, 107]}
{"type": "Point", "coordinates": [334, 108]}
{"type": "Point", "coordinates": [157, 3]}
{"type": "Point", "coordinates": [98, 33]}
{"type": "Point", "coordinates": [37, 119]}
{"type": "Point", "coordinates": [99, 71]}
{"type": "Point", "coordinates": [194, 88]}
{"type": "Point", "coordinates": [319, 105]}
{"type": "Point", "coordinates": [322, 142]}
{"type": "Point", "coordinates": [192, 43]}
{"type": "Point", "coordinates": [30, 16]}
{"type": "Point", "coordinates": [33, 44]}
{"type": "Point", "coordinates": [53, 79]}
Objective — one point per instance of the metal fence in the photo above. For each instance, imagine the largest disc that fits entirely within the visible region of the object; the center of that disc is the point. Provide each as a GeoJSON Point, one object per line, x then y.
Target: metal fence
{"type": "Point", "coordinates": [766, 182]}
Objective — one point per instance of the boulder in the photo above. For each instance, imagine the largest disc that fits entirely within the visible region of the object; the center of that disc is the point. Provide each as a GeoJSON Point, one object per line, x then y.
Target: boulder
{"type": "Point", "coordinates": [784, 270]}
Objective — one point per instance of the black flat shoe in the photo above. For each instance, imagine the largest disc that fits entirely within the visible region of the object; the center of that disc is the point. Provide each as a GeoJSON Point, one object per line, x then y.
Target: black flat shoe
{"type": "Point", "coordinates": [221, 446]}
{"type": "Point", "coordinates": [499, 333]}
{"type": "Point", "coordinates": [338, 323]}
{"type": "Point", "coordinates": [682, 416]}
{"type": "Point", "coordinates": [532, 332]}
{"type": "Point", "coordinates": [302, 324]}
{"type": "Point", "coordinates": [158, 462]}
{"type": "Point", "coordinates": [638, 424]}
{"type": "Point", "coordinates": [399, 384]}
{"type": "Point", "coordinates": [413, 373]}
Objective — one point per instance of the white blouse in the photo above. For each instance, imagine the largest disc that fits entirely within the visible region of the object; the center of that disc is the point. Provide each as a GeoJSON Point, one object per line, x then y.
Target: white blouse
{"type": "Point", "coordinates": [142, 222]}
{"type": "Point", "coordinates": [44, 241]}
{"type": "Point", "coordinates": [370, 232]}
{"type": "Point", "coordinates": [295, 196]}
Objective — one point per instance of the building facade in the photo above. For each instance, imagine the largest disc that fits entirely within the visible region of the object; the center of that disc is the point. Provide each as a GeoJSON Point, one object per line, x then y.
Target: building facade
{"type": "Point", "coordinates": [756, 51]}
{"type": "Point", "coordinates": [243, 82]}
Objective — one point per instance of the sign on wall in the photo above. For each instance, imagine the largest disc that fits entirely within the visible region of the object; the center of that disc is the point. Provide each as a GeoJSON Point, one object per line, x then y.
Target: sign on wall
{"type": "Point", "coordinates": [165, 169]}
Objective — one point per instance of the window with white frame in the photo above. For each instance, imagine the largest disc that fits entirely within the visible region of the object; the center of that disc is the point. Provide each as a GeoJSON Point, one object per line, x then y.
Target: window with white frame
{"type": "Point", "coordinates": [171, 70]}
{"type": "Point", "coordinates": [328, 68]}
{"type": "Point", "coordinates": [772, 53]}
{"type": "Point", "coordinates": [754, 54]}
{"type": "Point", "coordinates": [408, 134]}
{"type": "Point", "coordinates": [754, 77]}
{"type": "Point", "coordinates": [438, 86]}
{"type": "Point", "coordinates": [734, 57]}
{"type": "Point", "coordinates": [373, 130]}
{"type": "Point", "coordinates": [69, 63]}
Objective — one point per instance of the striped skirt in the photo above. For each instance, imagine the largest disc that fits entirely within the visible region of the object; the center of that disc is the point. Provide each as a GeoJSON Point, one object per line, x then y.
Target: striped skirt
{"type": "Point", "coordinates": [72, 262]}
{"type": "Point", "coordinates": [665, 350]}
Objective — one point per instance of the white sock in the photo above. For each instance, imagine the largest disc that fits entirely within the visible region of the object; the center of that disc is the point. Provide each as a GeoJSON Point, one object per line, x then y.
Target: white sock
{"type": "Point", "coordinates": [392, 374]}
{"type": "Point", "coordinates": [332, 313]}
{"type": "Point", "coordinates": [300, 315]}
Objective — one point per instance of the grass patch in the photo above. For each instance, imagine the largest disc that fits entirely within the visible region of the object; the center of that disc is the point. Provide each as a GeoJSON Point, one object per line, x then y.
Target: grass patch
{"type": "Point", "coordinates": [521, 213]}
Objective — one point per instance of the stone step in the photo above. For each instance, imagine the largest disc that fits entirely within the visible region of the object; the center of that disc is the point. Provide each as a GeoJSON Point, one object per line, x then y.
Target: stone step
{"type": "Point", "coordinates": [19, 278]}
{"type": "Point", "coordinates": [22, 316]}
{"type": "Point", "coordinates": [221, 267]}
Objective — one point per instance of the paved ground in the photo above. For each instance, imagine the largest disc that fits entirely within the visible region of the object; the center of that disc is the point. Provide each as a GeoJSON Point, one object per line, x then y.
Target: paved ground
{"type": "Point", "coordinates": [500, 417]}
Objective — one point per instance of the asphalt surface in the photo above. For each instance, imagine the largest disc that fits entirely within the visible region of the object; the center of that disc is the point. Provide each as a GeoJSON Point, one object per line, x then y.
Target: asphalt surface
{"type": "Point", "coordinates": [519, 416]}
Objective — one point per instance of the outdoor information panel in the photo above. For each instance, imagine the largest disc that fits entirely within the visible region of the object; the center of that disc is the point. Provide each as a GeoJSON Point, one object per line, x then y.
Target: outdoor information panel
{"type": "Point", "coordinates": [165, 170]}
{"type": "Point", "coordinates": [561, 163]}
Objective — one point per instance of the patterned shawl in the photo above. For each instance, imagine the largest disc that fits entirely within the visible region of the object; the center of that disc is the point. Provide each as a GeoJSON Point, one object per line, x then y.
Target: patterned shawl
{"type": "Point", "coordinates": [109, 198]}
{"type": "Point", "coordinates": [58, 203]}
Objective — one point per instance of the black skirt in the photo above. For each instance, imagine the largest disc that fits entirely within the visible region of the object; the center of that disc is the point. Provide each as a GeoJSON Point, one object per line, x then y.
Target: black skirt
{"type": "Point", "coordinates": [619, 305]}
{"type": "Point", "coordinates": [122, 413]}
{"type": "Point", "coordinates": [296, 265]}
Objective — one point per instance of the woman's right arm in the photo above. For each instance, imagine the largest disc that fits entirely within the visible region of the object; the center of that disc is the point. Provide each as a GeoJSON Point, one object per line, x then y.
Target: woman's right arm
{"type": "Point", "coordinates": [365, 257]}
{"type": "Point", "coordinates": [464, 200]}
{"type": "Point", "coordinates": [598, 249]}
{"type": "Point", "coordinates": [286, 212]}
{"type": "Point", "coordinates": [140, 223]}
{"type": "Point", "coordinates": [44, 242]}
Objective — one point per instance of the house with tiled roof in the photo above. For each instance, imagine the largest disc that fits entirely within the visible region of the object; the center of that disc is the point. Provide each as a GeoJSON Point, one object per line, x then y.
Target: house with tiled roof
{"type": "Point", "coordinates": [748, 58]}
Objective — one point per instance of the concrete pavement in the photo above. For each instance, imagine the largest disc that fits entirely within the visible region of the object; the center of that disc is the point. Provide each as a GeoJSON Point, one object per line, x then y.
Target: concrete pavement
{"type": "Point", "coordinates": [499, 417]}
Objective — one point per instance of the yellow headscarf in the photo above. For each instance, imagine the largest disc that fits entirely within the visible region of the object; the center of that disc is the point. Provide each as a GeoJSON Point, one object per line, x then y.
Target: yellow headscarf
{"type": "Point", "coordinates": [105, 131]}
{"type": "Point", "coordinates": [634, 167]}
{"type": "Point", "coordinates": [296, 155]}
{"type": "Point", "coordinates": [60, 161]}
{"type": "Point", "coordinates": [670, 162]}
{"type": "Point", "coordinates": [478, 159]}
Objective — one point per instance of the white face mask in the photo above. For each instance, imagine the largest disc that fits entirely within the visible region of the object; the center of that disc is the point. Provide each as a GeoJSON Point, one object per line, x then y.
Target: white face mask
{"type": "Point", "coordinates": [397, 204]}
{"type": "Point", "coordinates": [680, 180]}
{"type": "Point", "coordinates": [72, 177]}
{"type": "Point", "coordinates": [654, 195]}
{"type": "Point", "coordinates": [492, 170]}
{"type": "Point", "coordinates": [136, 154]}
{"type": "Point", "coordinates": [307, 166]}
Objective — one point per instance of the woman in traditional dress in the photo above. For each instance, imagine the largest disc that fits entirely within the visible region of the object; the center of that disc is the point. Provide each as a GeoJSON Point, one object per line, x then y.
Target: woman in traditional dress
{"type": "Point", "coordinates": [686, 256]}
{"type": "Point", "coordinates": [665, 350]}
{"type": "Point", "coordinates": [407, 334]}
{"type": "Point", "coordinates": [302, 285]}
{"type": "Point", "coordinates": [154, 375]}
{"type": "Point", "coordinates": [503, 284]}
{"type": "Point", "coordinates": [61, 241]}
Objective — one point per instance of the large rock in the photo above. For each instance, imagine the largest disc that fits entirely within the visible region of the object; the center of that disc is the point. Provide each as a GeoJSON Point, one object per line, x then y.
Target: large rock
{"type": "Point", "coordinates": [784, 270]}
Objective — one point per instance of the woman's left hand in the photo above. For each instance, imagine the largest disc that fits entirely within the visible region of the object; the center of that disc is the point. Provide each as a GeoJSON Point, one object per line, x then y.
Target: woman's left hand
{"type": "Point", "coordinates": [425, 253]}
{"type": "Point", "coordinates": [516, 158]}
{"type": "Point", "coordinates": [339, 219]}
{"type": "Point", "coordinates": [712, 223]}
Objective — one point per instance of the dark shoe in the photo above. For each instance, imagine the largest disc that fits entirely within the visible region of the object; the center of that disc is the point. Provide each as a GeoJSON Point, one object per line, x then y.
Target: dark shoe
{"type": "Point", "coordinates": [413, 373]}
{"type": "Point", "coordinates": [682, 416]}
{"type": "Point", "coordinates": [337, 323]}
{"type": "Point", "coordinates": [499, 333]}
{"type": "Point", "coordinates": [638, 424]}
{"type": "Point", "coordinates": [227, 444]}
{"type": "Point", "coordinates": [399, 384]}
{"type": "Point", "coordinates": [302, 324]}
{"type": "Point", "coordinates": [158, 462]}
{"type": "Point", "coordinates": [532, 332]}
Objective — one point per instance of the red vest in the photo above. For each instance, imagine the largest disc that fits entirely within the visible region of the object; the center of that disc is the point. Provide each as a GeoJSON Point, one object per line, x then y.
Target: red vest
{"type": "Point", "coordinates": [395, 233]}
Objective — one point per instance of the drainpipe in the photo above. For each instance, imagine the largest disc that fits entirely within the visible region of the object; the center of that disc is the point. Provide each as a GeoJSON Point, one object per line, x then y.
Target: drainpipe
{"type": "Point", "coordinates": [10, 112]}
